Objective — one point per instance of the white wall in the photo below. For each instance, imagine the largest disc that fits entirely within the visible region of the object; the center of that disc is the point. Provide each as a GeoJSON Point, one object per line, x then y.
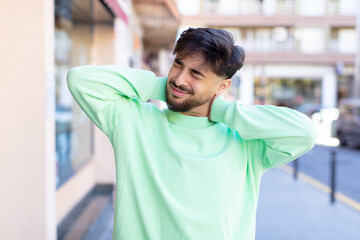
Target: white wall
{"type": "Point", "coordinates": [269, 7]}
{"type": "Point", "coordinates": [247, 85]}
{"type": "Point", "coordinates": [189, 7]}
{"type": "Point", "coordinates": [102, 54]}
{"type": "Point", "coordinates": [123, 43]}
{"type": "Point", "coordinates": [312, 7]}
{"type": "Point", "coordinates": [348, 7]}
{"type": "Point", "coordinates": [329, 89]}
{"type": "Point", "coordinates": [27, 159]}
{"type": "Point", "coordinates": [347, 41]}
{"type": "Point", "coordinates": [312, 40]}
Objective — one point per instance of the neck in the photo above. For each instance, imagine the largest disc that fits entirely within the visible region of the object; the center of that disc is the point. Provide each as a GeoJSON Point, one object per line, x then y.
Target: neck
{"type": "Point", "coordinates": [200, 111]}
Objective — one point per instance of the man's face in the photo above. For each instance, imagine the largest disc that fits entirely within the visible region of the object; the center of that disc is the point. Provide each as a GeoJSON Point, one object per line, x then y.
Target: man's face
{"type": "Point", "coordinates": [191, 85]}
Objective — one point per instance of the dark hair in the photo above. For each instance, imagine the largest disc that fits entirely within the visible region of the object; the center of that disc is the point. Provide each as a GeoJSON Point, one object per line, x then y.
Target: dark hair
{"type": "Point", "coordinates": [216, 46]}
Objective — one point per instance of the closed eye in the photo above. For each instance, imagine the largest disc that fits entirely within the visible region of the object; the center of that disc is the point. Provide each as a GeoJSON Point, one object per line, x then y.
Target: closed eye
{"type": "Point", "coordinates": [178, 63]}
{"type": "Point", "coordinates": [196, 73]}
{"type": "Point", "coordinates": [194, 76]}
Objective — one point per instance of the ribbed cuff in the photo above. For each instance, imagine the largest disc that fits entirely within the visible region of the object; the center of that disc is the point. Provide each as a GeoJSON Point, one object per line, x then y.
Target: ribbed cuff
{"type": "Point", "coordinates": [218, 109]}
{"type": "Point", "coordinates": [158, 92]}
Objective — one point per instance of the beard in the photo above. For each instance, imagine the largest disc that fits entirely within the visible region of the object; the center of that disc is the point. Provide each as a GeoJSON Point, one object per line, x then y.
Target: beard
{"type": "Point", "coordinates": [185, 105]}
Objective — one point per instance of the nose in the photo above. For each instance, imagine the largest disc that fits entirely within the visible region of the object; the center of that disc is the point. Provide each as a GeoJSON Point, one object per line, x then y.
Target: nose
{"type": "Point", "coordinates": [181, 78]}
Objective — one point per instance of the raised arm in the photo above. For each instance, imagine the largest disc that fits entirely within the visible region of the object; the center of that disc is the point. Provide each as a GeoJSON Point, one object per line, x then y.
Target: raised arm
{"type": "Point", "coordinates": [284, 133]}
{"type": "Point", "coordinates": [105, 93]}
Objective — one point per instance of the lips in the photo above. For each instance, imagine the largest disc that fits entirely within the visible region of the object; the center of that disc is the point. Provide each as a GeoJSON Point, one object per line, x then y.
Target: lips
{"type": "Point", "coordinates": [177, 92]}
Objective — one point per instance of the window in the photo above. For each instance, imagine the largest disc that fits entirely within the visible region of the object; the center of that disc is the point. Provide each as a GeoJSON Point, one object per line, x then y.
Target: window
{"type": "Point", "coordinates": [73, 128]}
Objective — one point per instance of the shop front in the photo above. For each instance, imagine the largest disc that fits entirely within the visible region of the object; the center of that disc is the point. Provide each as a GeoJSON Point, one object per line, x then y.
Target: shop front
{"type": "Point", "coordinates": [288, 92]}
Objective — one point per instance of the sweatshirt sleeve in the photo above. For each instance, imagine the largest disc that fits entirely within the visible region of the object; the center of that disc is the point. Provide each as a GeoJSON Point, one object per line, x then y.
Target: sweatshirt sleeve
{"type": "Point", "coordinates": [106, 93]}
{"type": "Point", "coordinates": [281, 134]}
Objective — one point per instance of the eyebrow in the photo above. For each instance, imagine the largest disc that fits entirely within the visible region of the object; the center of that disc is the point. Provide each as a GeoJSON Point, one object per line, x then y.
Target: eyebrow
{"type": "Point", "coordinates": [178, 61]}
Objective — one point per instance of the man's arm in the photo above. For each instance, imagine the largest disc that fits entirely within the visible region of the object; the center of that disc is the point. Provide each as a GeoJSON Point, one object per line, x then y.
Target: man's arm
{"type": "Point", "coordinates": [106, 93]}
{"type": "Point", "coordinates": [286, 133]}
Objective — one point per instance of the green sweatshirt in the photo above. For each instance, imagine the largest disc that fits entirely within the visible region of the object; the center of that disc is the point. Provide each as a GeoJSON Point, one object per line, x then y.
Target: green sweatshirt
{"type": "Point", "coordinates": [182, 177]}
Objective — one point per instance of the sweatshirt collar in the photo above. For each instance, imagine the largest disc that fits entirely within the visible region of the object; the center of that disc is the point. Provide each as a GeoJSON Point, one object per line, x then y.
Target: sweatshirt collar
{"type": "Point", "coordinates": [187, 121]}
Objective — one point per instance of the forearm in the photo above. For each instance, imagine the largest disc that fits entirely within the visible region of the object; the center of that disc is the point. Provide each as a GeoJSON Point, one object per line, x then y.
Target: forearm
{"type": "Point", "coordinates": [105, 92]}
{"type": "Point", "coordinates": [110, 82]}
{"type": "Point", "coordinates": [286, 133]}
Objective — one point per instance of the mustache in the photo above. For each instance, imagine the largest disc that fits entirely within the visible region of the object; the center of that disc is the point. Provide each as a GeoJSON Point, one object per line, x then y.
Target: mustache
{"type": "Point", "coordinates": [180, 87]}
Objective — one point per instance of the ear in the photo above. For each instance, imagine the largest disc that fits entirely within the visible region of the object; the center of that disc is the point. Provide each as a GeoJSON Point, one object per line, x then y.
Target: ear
{"type": "Point", "coordinates": [223, 86]}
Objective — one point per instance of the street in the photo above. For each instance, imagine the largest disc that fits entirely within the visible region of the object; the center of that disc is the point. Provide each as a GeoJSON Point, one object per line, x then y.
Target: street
{"type": "Point", "coordinates": [294, 210]}
{"type": "Point", "coordinates": [316, 164]}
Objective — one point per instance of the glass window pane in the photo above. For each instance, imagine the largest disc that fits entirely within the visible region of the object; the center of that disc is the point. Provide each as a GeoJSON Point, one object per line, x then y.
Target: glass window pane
{"type": "Point", "coordinates": [72, 47]}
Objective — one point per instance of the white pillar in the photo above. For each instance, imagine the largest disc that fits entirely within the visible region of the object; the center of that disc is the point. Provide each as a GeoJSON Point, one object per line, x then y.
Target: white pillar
{"type": "Point", "coordinates": [356, 86]}
{"type": "Point", "coordinates": [27, 127]}
{"type": "Point", "coordinates": [329, 89]}
{"type": "Point", "coordinates": [269, 7]}
{"type": "Point", "coordinates": [123, 47]}
{"type": "Point", "coordinates": [103, 53]}
{"type": "Point", "coordinates": [247, 85]}
{"type": "Point", "coordinates": [165, 62]}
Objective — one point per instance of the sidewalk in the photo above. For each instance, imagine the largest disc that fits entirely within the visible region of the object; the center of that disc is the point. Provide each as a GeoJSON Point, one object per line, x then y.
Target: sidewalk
{"type": "Point", "coordinates": [102, 228]}
{"type": "Point", "coordinates": [287, 210]}
{"type": "Point", "coordinates": [293, 210]}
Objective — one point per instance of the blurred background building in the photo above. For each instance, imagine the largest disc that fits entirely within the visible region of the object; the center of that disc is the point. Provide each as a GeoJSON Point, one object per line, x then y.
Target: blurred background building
{"type": "Point", "coordinates": [51, 153]}
{"type": "Point", "coordinates": [299, 53]}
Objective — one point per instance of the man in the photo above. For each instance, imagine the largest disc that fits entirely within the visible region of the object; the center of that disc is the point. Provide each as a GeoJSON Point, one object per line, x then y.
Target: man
{"type": "Point", "coordinates": [191, 171]}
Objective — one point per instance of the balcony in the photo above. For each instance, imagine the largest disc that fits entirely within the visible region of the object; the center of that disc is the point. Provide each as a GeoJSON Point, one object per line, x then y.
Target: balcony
{"type": "Point", "coordinates": [160, 21]}
{"type": "Point", "coordinates": [292, 51]}
{"type": "Point", "coordinates": [267, 21]}
{"type": "Point", "coordinates": [295, 57]}
{"type": "Point", "coordinates": [254, 14]}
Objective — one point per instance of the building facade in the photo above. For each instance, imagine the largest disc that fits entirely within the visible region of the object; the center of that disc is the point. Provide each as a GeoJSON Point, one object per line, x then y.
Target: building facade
{"type": "Point", "coordinates": [299, 53]}
{"type": "Point", "coordinates": [51, 155]}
